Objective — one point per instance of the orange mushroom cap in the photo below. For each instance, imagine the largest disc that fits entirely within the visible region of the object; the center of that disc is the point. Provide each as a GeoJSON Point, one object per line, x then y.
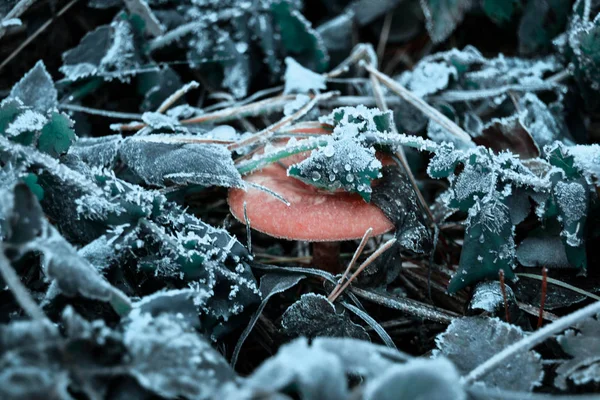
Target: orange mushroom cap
{"type": "Point", "coordinates": [313, 215]}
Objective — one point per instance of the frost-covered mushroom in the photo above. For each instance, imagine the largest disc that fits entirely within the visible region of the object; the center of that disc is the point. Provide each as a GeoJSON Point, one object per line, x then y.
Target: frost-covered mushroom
{"type": "Point", "coordinates": [322, 217]}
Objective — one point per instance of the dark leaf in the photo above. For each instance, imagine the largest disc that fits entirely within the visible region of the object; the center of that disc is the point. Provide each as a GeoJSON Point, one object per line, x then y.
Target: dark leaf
{"type": "Point", "coordinates": [314, 315]}
{"type": "Point", "coordinates": [36, 89]}
{"type": "Point", "coordinates": [443, 16]}
{"type": "Point", "coordinates": [470, 341]}
{"type": "Point", "coordinates": [161, 161]}
{"type": "Point", "coordinates": [508, 134]}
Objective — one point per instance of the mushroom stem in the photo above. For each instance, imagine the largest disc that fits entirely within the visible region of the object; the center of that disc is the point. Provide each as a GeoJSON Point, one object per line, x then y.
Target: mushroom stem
{"type": "Point", "coordinates": [326, 256]}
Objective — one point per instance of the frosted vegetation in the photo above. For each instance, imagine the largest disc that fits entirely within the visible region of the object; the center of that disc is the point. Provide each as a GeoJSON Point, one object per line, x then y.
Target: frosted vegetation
{"type": "Point", "coordinates": [123, 274]}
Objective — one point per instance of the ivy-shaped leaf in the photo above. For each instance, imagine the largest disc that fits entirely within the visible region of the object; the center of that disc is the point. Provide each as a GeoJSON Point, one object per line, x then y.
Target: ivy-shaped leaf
{"type": "Point", "coordinates": [488, 245]}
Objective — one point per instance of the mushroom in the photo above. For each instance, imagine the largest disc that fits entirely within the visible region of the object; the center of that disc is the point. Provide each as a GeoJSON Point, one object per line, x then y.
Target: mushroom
{"type": "Point", "coordinates": [322, 217]}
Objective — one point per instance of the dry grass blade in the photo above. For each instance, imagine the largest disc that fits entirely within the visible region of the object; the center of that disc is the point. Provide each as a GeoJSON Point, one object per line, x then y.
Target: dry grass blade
{"type": "Point", "coordinates": [270, 130]}
{"type": "Point", "coordinates": [169, 101]}
{"type": "Point", "coordinates": [228, 114]}
{"type": "Point", "coordinates": [364, 265]}
{"type": "Point", "coordinates": [15, 12]}
{"type": "Point", "coordinates": [36, 34]}
{"type": "Point", "coordinates": [420, 104]}
{"type": "Point", "coordinates": [357, 253]}
{"type": "Point", "coordinates": [561, 284]}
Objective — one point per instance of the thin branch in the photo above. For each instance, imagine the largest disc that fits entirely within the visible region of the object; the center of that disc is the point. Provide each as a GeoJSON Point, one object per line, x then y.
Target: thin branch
{"type": "Point", "coordinates": [169, 101]}
{"type": "Point", "coordinates": [96, 111]}
{"type": "Point", "coordinates": [19, 290]}
{"type": "Point", "coordinates": [357, 253]}
{"type": "Point", "coordinates": [408, 306]}
{"type": "Point", "coordinates": [36, 34]}
{"type": "Point", "coordinates": [364, 265]}
{"type": "Point", "coordinates": [15, 12]}
{"type": "Point", "coordinates": [285, 121]}
{"type": "Point", "coordinates": [174, 35]}
{"type": "Point", "coordinates": [228, 114]}
{"type": "Point", "coordinates": [530, 341]}
{"type": "Point", "coordinates": [383, 38]}
{"type": "Point", "coordinates": [561, 284]}
{"type": "Point", "coordinates": [587, 9]}
{"type": "Point", "coordinates": [419, 103]}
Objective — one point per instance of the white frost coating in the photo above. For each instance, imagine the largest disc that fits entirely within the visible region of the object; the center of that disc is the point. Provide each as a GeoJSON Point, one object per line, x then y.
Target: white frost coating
{"type": "Point", "coordinates": [299, 79]}
{"type": "Point", "coordinates": [27, 121]}
{"type": "Point", "coordinates": [160, 121]}
{"type": "Point", "coordinates": [571, 198]}
{"type": "Point", "coordinates": [428, 78]}
{"type": "Point", "coordinates": [587, 158]}
{"type": "Point", "coordinates": [291, 107]}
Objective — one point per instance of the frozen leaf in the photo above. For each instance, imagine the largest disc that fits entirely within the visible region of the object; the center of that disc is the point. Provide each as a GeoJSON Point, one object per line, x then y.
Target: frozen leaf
{"type": "Point", "coordinates": [337, 32]}
{"type": "Point", "coordinates": [314, 315]}
{"type": "Point", "coordinates": [542, 20]}
{"type": "Point", "coordinates": [488, 297]}
{"type": "Point", "coordinates": [488, 245]}
{"type": "Point", "coordinates": [36, 89]}
{"type": "Point", "coordinates": [157, 86]}
{"type": "Point", "coordinates": [508, 134]}
{"type": "Point", "coordinates": [298, 37]}
{"type": "Point", "coordinates": [540, 249]}
{"type": "Point", "coordinates": [501, 11]}
{"type": "Point", "coordinates": [57, 135]}
{"type": "Point", "coordinates": [470, 341]}
{"type": "Point", "coordinates": [397, 199]}
{"type": "Point", "coordinates": [270, 285]}
{"type": "Point", "coordinates": [583, 344]}
{"type": "Point", "coordinates": [97, 152]}
{"type": "Point", "coordinates": [161, 122]}
{"type": "Point", "coordinates": [428, 77]}
{"type": "Point", "coordinates": [169, 358]}
{"type": "Point", "coordinates": [109, 52]}
{"type": "Point", "coordinates": [311, 373]}
{"type": "Point", "coordinates": [443, 16]}
{"type": "Point", "coordinates": [434, 379]}
{"type": "Point", "coordinates": [299, 79]}
{"type": "Point", "coordinates": [28, 121]}
{"type": "Point", "coordinates": [540, 122]}
{"type": "Point", "coordinates": [163, 161]}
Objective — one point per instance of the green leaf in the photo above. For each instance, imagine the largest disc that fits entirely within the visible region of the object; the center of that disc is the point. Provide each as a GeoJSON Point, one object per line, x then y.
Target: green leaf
{"type": "Point", "coordinates": [9, 109]}
{"type": "Point", "coordinates": [488, 246]}
{"type": "Point", "coordinates": [57, 135]}
{"type": "Point", "coordinates": [298, 37]}
{"type": "Point", "coordinates": [31, 180]}
{"type": "Point", "coordinates": [500, 11]}
{"type": "Point", "coordinates": [443, 16]}
{"type": "Point", "coordinates": [542, 21]}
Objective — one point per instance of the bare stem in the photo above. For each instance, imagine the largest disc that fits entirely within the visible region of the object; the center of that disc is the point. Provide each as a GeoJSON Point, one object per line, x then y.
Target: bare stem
{"type": "Point", "coordinates": [364, 265]}
{"type": "Point", "coordinates": [357, 253]}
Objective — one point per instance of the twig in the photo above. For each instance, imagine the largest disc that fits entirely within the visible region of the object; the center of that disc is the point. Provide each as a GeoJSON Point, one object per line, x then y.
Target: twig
{"type": "Point", "coordinates": [417, 102]}
{"type": "Point", "coordinates": [408, 306]}
{"type": "Point", "coordinates": [543, 296]}
{"type": "Point", "coordinates": [364, 265]}
{"type": "Point", "coordinates": [561, 284]}
{"type": "Point", "coordinates": [227, 114]}
{"type": "Point", "coordinates": [503, 290]}
{"type": "Point", "coordinates": [248, 232]}
{"type": "Point", "coordinates": [530, 341]}
{"type": "Point", "coordinates": [357, 253]}
{"type": "Point", "coordinates": [587, 9]}
{"type": "Point", "coordinates": [96, 111]}
{"type": "Point", "coordinates": [268, 131]}
{"type": "Point", "coordinates": [531, 310]}
{"type": "Point", "coordinates": [174, 34]}
{"type": "Point", "coordinates": [168, 102]}
{"type": "Point", "coordinates": [15, 12]}
{"type": "Point", "coordinates": [19, 290]}
{"type": "Point", "coordinates": [36, 34]}
{"type": "Point", "coordinates": [383, 38]}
